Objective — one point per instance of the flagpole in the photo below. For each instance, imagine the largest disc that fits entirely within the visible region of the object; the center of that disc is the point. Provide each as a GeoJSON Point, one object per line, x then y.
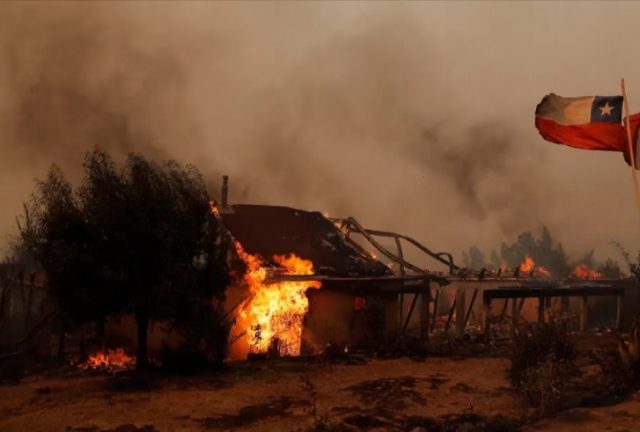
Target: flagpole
{"type": "Point", "coordinates": [632, 157]}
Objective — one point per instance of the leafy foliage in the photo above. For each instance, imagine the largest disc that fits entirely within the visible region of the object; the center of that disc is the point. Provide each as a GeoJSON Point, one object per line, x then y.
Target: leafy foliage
{"type": "Point", "coordinates": [610, 270]}
{"type": "Point", "coordinates": [138, 238]}
{"type": "Point", "coordinates": [542, 360]}
{"type": "Point", "coordinates": [630, 350]}
{"type": "Point", "coordinates": [632, 265]}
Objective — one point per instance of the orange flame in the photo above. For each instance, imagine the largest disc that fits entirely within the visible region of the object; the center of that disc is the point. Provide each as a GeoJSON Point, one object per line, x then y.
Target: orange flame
{"type": "Point", "coordinates": [529, 265]}
{"type": "Point", "coordinates": [273, 314]}
{"type": "Point", "coordinates": [582, 271]}
{"type": "Point", "coordinates": [275, 311]}
{"type": "Point", "coordinates": [109, 359]}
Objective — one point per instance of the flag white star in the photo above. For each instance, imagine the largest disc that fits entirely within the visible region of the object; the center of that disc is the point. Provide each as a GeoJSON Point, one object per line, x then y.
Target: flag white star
{"type": "Point", "coordinates": [605, 109]}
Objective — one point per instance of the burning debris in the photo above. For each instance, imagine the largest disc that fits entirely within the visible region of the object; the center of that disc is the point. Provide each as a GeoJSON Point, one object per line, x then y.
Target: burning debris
{"type": "Point", "coordinates": [528, 266]}
{"type": "Point", "coordinates": [109, 360]}
{"type": "Point", "coordinates": [582, 271]}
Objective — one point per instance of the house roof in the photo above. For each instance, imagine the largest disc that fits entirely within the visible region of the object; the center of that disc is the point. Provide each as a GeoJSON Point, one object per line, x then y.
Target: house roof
{"type": "Point", "coordinates": [271, 230]}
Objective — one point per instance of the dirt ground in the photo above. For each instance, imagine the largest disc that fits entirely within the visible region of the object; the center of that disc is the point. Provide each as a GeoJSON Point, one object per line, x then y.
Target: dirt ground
{"type": "Point", "coordinates": [381, 395]}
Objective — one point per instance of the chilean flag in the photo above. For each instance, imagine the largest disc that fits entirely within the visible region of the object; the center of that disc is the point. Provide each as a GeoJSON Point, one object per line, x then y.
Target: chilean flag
{"type": "Point", "coordinates": [591, 123]}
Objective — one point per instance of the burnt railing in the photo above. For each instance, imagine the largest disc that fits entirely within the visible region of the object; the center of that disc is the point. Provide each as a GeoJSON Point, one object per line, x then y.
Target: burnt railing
{"type": "Point", "coordinates": [515, 293]}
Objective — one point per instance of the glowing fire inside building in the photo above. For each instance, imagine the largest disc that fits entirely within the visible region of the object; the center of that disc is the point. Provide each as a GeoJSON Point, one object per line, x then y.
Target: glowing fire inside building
{"type": "Point", "coordinates": [274, 312]}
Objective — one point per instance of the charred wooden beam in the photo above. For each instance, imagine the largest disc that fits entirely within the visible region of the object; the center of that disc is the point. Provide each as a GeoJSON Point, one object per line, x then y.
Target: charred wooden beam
{"type": "Point", "coordinates": [435, 309]}
{"type": "Point", "coordinates": [470, 309]}
{"type": "Point", "coordinates": [531, 292]}
{"type": "Point", "coordinates": [450, 316]}
{"type": "Point", "coordinates": [413, 305]}
{"type": "Point", "coordinates": [275, 278]}
{"type": "Point", "coordinates": [443, 257]}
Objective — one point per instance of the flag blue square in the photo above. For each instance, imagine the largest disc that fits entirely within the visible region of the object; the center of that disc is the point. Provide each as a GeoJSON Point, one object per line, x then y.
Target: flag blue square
{"type": "Point", "coordinates": [607, 109]}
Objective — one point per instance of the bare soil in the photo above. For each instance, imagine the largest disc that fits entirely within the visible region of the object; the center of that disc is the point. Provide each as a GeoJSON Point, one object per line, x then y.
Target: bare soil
{"type": "Point", "coordinates": [383, 395]}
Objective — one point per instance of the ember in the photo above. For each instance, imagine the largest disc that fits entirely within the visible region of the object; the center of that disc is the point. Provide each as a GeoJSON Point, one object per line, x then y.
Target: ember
{"type": "Point", "coordinates": [582, 271]}
{"type": "Point", "coordinates": [109, 360]}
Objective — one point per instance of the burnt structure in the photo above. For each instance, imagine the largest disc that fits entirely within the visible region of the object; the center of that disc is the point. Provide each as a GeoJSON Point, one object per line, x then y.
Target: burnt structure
{"type": "Point", "coordinates": [357, 304]}
{"type": "Point", "coordinates": [364, 301]}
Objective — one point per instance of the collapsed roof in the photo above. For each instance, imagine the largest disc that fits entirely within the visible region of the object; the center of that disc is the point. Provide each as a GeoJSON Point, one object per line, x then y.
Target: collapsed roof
{"type": "Point", "coordinates": [272, 230]}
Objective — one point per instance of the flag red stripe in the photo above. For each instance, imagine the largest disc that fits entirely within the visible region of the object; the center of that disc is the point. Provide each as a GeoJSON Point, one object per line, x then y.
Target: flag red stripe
{"type": "Point", "coordinates": [591, 136]}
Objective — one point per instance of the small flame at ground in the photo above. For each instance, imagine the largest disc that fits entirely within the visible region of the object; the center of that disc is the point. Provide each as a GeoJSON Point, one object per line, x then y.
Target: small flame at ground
{"type": "Point", "coordinates": [109, 359]}
{"type": "Point", "coordinates": [582, 271]}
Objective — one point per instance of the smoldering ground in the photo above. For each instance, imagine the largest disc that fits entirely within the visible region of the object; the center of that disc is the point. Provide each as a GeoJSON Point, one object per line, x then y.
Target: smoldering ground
{"type": "Point", "coordinates": [353, 109]}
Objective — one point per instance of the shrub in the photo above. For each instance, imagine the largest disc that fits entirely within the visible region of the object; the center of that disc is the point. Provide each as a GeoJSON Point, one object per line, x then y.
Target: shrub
{"type": "Point", "coordinates": [630, 350]}
{"type": "Point", "coordinates": [542, 361]}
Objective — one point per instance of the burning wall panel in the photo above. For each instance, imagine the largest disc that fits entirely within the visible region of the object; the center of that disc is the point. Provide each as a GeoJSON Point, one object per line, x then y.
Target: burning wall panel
{"type": "Point", "coordinates": [281, 240]}
{"type": "Point", "coordinates": [332, 319]}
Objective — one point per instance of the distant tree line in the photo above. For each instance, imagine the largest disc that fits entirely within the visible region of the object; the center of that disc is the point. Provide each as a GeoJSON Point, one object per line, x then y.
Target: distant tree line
{"type": "Point", "coordinates": [137, 238]}
{"type": "Point", "coordinates": [544, 250]}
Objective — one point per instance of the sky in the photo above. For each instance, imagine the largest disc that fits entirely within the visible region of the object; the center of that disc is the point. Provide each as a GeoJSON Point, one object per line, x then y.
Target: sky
{"type": "Point", "coordinates": [413, 117]}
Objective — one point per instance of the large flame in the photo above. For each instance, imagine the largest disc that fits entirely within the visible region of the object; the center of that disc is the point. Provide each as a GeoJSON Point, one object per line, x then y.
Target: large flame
{"type": "Point", "coordinates": [582, 271]}
{"type": "Point", "coordinates": [278, 309]}
{"type": "Point", "coordinates": [529, 266]}
{"type": "Point", "coordinates": [272, 316]}
{"type": "Point", "coordinates": [109, 360]}
{"type": "Point", "coordinates": [274, 312]}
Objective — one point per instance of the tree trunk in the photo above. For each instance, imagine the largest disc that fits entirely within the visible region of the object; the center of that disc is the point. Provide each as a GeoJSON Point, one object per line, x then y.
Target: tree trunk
{"type": "Point", "coordinates": [142, 319]}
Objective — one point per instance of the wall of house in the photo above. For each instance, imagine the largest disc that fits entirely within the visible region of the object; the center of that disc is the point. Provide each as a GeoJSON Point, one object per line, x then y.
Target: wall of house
{"type": "Point", "coordinates": [332, 319]}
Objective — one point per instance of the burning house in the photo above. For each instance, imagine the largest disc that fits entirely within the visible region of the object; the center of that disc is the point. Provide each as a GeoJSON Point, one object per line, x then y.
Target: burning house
{"type": "Point", "coordinates": [308, 285]}
{"type": "Point", "coordinates": [303, 282]}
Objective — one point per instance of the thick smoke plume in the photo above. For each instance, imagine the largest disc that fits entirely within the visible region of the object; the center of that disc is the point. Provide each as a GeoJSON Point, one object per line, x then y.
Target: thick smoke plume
{"type": "Point", "coordinates": [376, 111]}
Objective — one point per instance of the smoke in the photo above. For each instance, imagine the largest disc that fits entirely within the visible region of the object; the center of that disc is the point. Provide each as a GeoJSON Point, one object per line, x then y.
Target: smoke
{"type": "Point", "coordinates": [75, 82]}
{"type": "Point", "coordinates": [373, 110]}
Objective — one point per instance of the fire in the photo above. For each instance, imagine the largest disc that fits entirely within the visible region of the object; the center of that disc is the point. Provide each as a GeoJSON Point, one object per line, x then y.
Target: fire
{"type": "Point", "coordinates": [275, 311]}
{"type": "Point", "coordinates": [278, 309]}
{"type": "Point", "coordinates": [272, 316]}
{"type": "Point", "coordinates": [529, 265]}
{"type": "Point", "coordinates": [582, 271]}
{"type": "Point", "coordinates": [109, 359]}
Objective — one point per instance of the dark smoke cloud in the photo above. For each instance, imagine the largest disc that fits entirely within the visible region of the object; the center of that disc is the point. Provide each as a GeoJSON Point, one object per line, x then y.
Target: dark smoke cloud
{"type": "Point", "coordinates": [374, 110]}
{"type": "Point", "coordinates": [77, 82]}
{"type": "Point", "coordinates": [485, 151]}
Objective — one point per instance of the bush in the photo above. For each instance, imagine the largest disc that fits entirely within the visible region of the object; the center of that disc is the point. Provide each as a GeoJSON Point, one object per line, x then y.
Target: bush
{"type": "Point", "coordinates": [542, 361]}
{"type": "Point", "coordinates": [630, 350]}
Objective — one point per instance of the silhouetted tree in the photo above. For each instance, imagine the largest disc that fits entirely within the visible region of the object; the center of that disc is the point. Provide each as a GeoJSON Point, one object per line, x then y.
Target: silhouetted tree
{"type": "Point", "coordinates": [139, 238]}
{"type": "Point", "coordinates": [544, 251]}
{"type": "Point", "coordinates": [610, 269]}
{"type": "Point", "coordinates": [495, 259]}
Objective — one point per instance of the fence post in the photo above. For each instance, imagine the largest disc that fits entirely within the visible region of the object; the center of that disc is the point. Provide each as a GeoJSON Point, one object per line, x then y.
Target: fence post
{"type": "Point", "coordinates": [584, 313]}
{"type": "Point", "coordinates": [461, 311]}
